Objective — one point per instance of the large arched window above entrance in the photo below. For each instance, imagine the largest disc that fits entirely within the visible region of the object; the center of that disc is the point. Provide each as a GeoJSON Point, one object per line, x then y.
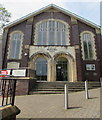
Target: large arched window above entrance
{"type": "Point", "coordinates": [41, 69]}
{"type": "Point", "coordinates": [51, 32]}
{"type": "Point", "coordinates": [16, 39]}
{"type": "Point", "coordinates": [88, 45]}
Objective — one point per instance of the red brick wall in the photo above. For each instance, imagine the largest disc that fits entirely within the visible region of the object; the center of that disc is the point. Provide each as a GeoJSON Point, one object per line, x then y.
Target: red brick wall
{"type": "Point", "coordinates": [22, 87]}
{"type": "Point", "coordinates": [75, 30]}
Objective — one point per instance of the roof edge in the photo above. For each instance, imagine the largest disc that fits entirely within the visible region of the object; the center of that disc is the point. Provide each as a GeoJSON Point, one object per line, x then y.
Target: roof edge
{"type": "Point", "coordinates": [47, 7]}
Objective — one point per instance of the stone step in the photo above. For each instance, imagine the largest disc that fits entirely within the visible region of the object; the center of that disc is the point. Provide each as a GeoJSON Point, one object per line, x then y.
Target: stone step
{"type": "Point", "coordinates": [61, 87]}
{"type": "Point", "coordinates": [50, 92]}
{"type": "Point", "coordinates": [57, 83]}
{"type": "Point", "coordinates": [58, 87]}
{"type": "Point", "coordinates": [53, 92]}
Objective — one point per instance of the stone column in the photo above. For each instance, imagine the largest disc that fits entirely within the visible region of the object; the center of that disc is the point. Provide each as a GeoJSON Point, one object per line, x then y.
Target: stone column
{"type": "Point", "coordinates": [49, 74]}
{"type": "Point", "coordinates": [53, 76]}
{"type": "Point", "coordinates": [71, 70]}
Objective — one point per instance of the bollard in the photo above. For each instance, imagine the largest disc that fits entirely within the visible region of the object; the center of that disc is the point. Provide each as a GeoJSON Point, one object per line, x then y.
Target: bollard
{"type": "Point", "coordinates": [66, 96]}
{"type": "Point", "coordinates": [101, 81]}
{"type": "Point", "coordinates": [86, 89]}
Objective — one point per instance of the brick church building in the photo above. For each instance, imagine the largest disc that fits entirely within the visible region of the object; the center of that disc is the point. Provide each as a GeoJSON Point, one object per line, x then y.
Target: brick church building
{"type": "Point", "coordinates": [53, 44]}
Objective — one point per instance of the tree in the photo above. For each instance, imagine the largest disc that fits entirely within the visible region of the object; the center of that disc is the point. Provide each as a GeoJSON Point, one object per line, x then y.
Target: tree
{"type": "Point", "coordinates": [4, 17]}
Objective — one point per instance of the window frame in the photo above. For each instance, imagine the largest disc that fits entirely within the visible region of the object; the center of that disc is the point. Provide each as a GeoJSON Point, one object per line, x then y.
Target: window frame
{"type": "Point", "coordinates": [67, 32]}
{"type": "Point", "coordinates": [41, 61]}
{"type": "Point", "coordinates": [10, 44]}
{"type": "Point", "coordinates": [92, 42]}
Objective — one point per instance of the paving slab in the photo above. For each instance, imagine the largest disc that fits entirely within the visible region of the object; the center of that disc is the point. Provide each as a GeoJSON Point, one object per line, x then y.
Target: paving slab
{"type": "Point", "coordinates": [52, 105]}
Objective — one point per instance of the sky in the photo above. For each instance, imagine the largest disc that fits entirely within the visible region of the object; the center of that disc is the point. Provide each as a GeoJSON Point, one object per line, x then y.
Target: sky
{"type": "Point", "coordinates": [88, 9]}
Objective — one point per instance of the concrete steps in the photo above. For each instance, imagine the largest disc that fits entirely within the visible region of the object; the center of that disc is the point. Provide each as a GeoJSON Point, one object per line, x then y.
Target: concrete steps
{"type": "Point", "coordinates": [58, 87]}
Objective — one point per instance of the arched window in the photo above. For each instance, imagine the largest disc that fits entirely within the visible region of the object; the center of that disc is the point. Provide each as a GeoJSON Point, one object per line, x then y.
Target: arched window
{"type": "Point", "coordinates": [88, 45]}
{"type": "Point", "coordinates": [16, 39]}
{"type": "Point", "coordinates": [52, 32]}
{"type": "Point", "coordinates": [41, 68]}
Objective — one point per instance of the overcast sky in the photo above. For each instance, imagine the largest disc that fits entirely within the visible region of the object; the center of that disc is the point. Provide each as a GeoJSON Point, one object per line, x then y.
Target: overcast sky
{"type": "Point", "coordinates": [89, 9]}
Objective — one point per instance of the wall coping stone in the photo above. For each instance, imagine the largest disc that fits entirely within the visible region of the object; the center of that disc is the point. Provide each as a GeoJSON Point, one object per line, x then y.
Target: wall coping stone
{"type": "Point", "coordinates": [8, 111]}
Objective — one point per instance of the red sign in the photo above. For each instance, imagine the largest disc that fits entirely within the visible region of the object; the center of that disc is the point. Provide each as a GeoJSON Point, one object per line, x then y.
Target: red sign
{"type": "Point", "coordinates": [2, 75]}
{"type": "Point", "coordinates": [4, 72]}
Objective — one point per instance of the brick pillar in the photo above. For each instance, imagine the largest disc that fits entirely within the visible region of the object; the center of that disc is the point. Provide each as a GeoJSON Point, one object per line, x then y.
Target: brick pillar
{"type": "Point", "coordinates": [101, 35]}
{"type": "Point", "coordinates": [26, 43]}
{"type": "Point", "coordinates": [99, 48]}
{"type": "Point", "coordinates": [4, 44]}
{"type": "Point", "coordinates": [78, 65]}
{"type": "Point", "coordinates": [101, 54]}
{"type": "Point", "coordinates": [75, 32]}
{"type": "Point", "coordinates": [76, 42]}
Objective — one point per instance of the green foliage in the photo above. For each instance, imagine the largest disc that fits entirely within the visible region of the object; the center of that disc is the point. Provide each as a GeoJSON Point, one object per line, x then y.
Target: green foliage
{"type": "Point", "coordinates": [4, 17]}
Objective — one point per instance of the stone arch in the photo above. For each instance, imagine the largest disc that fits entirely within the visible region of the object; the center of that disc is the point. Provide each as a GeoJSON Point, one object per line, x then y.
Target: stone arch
{"type": "Point", "coordinates": [63, 54]}
{"type": "Point", "coordinates": [37, 55]}
{"type": "Point", "coordinates": [71, 66]}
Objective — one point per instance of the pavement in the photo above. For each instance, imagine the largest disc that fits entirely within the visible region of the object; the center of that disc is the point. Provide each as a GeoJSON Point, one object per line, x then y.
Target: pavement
{"type": "Point", "coordinates": [52, 105]}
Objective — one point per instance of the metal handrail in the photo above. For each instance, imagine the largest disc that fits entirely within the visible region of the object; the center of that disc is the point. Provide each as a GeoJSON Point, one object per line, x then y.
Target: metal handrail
{"type": "Point", "coordinates": [8, 89]}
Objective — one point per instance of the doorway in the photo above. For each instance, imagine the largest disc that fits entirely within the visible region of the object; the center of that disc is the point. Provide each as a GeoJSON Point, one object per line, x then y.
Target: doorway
{"type": "Point", "coordinates": [61, 69]}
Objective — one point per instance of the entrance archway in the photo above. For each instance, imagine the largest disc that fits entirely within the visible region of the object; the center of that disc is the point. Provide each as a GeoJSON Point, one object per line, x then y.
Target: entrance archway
{"type": "Point", "coordinates": [62, 69]}
{"type": "Point", "coordinates": [41, 69]}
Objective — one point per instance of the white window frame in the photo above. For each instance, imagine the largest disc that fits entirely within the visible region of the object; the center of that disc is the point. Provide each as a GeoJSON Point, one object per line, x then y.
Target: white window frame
{"type": "Point", "coordinates": [93, 44]}
{"type": "Point", "coordinates": [55, 42]}
{"type": "Point", "coordinates": [10, 41]}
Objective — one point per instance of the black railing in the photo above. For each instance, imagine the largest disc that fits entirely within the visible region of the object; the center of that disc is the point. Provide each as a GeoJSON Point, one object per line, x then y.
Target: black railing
{"type": "Point", "coordinates": [7, 91]}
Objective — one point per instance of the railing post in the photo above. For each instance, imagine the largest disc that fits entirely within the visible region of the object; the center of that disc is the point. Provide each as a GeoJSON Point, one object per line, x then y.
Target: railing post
{"type": "Point", "coordinates": [86, 89]}
{"type": "Point", "coordinates": [13, 92]}
{"type": "Point", "coordinates": [66, 96]}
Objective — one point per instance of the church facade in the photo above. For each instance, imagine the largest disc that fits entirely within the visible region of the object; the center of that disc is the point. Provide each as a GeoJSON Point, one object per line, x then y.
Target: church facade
{"type": "Point", "coordinates": [53, 44]}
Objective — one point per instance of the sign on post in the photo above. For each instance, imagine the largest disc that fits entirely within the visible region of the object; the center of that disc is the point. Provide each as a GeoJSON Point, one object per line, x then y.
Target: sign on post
{"type": "Point", "coordinates": [19, 73]}
{"type": "Point", "coordinates": [13, 72]}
